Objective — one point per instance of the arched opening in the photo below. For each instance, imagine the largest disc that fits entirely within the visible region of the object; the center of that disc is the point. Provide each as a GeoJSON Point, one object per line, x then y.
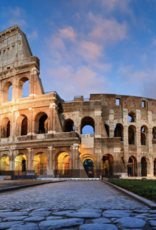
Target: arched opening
{"type": "Point", "coordinates": [40, 163]}
{"type": "Point", "coordinates": [132, 167]}
{"type": "Point", "coordinates": [107, 165]}
{"type": "Point", "coordinates": [4, 163]}
{"type": "Point", "coordinates": [154, 133]}
{"type": "Point", "coordinates": [41, 123]}
{"type": "Point", "coordinates": [143, 135]}
{"type": "Point", "coordinates": [88, 164]}
{"type": "Point", "coordinates": [143, 166]}
{"type": "Point", "coordinates": [24, 87]}
{"type": "Point", "coordinates": [63, 164]}
{"type": "Point", "coordinates": [131, 135]}
{"type": "Point", "coordinates": [5, 128]}
{"type": "Point", "coordinates": [7, 92]}
{"type": "Point", "coordinates": [21, 163]}
{"type": "Point", "coordinates": [154, 167]}
{"type": "Point", "coordinates": [22, 125]}
{"type": "Point", "coordinates": [68, 125]}
{"type": "Point", "coordinates": [107, 129]}
{"type": "Point", "coordinates": [87, 125]}
{"type": "Point", "coordinates": [118, 131]}
{"type": "Point", "coordinates": [131, 117]}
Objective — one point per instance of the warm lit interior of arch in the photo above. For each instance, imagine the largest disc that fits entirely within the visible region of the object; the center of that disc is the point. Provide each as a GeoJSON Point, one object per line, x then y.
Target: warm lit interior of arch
{"type": "Point", "coordinates": [20, 163]}
{"type": "Point", "coordinates": [4, 163]}
{"type": "Point", "coordinates": [63, 163]}
{"type": "Point", "coordinates": [40, 163]}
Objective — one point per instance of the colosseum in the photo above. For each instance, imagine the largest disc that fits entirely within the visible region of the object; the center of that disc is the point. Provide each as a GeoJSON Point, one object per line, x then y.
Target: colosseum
{"type": "Point", "coordinates": [44, 134]}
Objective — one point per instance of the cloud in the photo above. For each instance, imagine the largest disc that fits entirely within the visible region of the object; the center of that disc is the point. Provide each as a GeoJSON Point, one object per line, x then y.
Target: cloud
{"type": "Point", "coordinates": [89, 50]}
{"type": "Point", "coordinates": [13, 15]}
{"type": "Point", "coordinates": [83, 81]}
{"type": "Point", "coordinates": [107, 29]}
{"type": "Point", "coordinates": [33, 35]}
{"type": "Point", "coordinates": [68, 33]}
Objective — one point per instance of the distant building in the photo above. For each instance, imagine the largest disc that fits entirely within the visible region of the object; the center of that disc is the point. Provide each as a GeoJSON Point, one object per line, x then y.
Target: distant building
{"type": "Point", "coordinates": [42, 132]}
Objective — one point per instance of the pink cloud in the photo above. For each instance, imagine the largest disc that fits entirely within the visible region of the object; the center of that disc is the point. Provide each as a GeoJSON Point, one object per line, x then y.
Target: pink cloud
{"type": "Point", "coordinates": [107, 29]}
{"type": "Point", "coordinates": [89, 50]}
{"type": "Point", "coordinates": [68, 33]}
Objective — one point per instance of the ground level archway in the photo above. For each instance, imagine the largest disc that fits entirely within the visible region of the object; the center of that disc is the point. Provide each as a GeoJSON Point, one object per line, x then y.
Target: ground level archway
{"type": "Point", "coordinates": [63, 164]}
{"type": "Point", "coordinates": [143, 166]}
{"type": "Point", "coordinates": [132, 166]}
{"type": "Point", "coordinates": [88, 164]}
{"type": "Point", "coordinates": [107, 164]}
{"type": "Point", "coordinates": [4, 163]}
{"type": "Point", "coordinates": [40, 163]}
{"type": "Point", "coordinates": [21, 163]}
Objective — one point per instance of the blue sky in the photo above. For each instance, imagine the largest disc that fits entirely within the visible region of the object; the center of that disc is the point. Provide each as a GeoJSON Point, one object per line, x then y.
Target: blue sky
{"type": "Point", "coordinates": [91, 46]}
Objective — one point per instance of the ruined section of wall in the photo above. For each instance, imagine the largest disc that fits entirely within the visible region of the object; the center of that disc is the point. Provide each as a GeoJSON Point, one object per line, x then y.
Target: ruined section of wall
{"type": "Point", "coordinates": [13, 47]}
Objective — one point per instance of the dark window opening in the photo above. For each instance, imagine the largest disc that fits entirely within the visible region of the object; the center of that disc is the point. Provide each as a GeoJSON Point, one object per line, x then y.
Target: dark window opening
{"type": "Point", "coordinates": [131, 135]}
{"type": "Point", "coordinates": [69, 126]}
{"type": "Point", "coordinates": [118, 131]}
{"type": "Point", "coordinates": [8, 129]}
{"type": "Point", "coordinates": [24, 126]}
{"type": "Point", "coordinates": [107, 129]}
{"type": "Point", "coordinates": [143, 167]}
{"type": "Point", "coordinates": [42, 124]}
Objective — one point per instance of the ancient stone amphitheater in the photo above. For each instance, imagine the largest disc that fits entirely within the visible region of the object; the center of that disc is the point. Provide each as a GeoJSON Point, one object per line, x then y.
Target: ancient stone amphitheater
{"type": "Point", "coordinates": [43, 133]}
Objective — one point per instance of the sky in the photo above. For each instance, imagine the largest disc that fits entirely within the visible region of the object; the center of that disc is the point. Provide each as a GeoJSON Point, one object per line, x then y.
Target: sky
{"type": "Point", "coordinates": [89, 46]}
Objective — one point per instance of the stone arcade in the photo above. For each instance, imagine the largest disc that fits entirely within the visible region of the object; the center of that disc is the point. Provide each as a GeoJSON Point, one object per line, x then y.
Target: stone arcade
{"type": "Point", "coordinates": [42, 132]}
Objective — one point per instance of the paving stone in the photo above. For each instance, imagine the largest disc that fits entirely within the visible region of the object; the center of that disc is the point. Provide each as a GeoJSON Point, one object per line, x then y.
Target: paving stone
{"type": "Point", "coordinates": [54, 217]}
{"type": "Point", "coordinates": [84, 214]}
{"type": "Point", "coordinates": [55, 224]}
{"type": "Point", "coordinates": [39, 213]}
{"type": "Point", "coordinates": [89, 210]}
{"type": "Point", "coordinates": [153, 223]}
{"type": "Point", "coordinates": [101, 221]}
{"type": "Point", "coordinates": [28, 226]}
{"type": "Point", "coordinates": [116, 213]}
{"type": "Point", "coordinates": [4, 225]}
{"type": "Point", "coordinates": [15, 218]}
{"type": "Point", "coordinates": [62, 213]}
{"type": "Point", "coordinates": [98, 227]}
{"type": "Point", "coordinates": [35, 219]}
{"type": "Point", "coordinates": [131, 222]}
{"type": "Point", "coordinates": [11, 214]}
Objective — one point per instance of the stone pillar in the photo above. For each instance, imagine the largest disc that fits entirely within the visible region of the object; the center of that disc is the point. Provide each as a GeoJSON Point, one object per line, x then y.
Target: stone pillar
{"type": "Point", "coordinates": [97, 123]}
{"type": "Point", "coordinates": [29, 160]}
{"type": "Point", "coordinates": [11, 160]}
{"type": "Point", "coordinates": [31, 124]}
{"type": "Point", "coordinates": [138, 166]}
{"type": "Point", "coordinates": [50, 166]}
{"type": "Point", "coordinates": [52, 118]}
{"type": "Point", "coordinates": [150, 166]}
{"type": "Point", "coordinates": [74, 160]}
{"type": "Point", "coordinates": [111, 123]}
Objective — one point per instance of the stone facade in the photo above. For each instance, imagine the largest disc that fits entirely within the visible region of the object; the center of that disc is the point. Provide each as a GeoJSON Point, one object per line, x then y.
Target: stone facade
{"type": "Point", "coordinates": [42, 132]}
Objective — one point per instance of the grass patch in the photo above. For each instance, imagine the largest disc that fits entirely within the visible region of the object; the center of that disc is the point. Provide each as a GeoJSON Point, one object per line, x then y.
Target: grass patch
{"type": "Point", "coordinates": [144, 188]}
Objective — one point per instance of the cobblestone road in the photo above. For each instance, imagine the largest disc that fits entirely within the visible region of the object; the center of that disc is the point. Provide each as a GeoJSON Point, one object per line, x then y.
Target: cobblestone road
{"type": "Point", "coordinates": [73, 205]}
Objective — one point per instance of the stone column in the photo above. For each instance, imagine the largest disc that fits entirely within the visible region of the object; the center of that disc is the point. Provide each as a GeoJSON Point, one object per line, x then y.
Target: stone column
{"type": "Point", "coordinates": [74, 160]}
{"type": "Point", "coordinates": [29, 160]}
{"type": "Point", "coordinates": [51, 121]}
{"type": "Point", "coordinates": [50, 161]}
{"type": "Point", "coordinates": [31, 124]}
{"type": "Point", "coordinates": [111, 123]}
{"type": "Point", "coordinates": [97, 123]}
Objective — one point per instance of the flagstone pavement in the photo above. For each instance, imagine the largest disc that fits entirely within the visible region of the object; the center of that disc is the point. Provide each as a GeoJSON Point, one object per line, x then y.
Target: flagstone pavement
{"type": "Point", "coordinates": [84, 205]}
